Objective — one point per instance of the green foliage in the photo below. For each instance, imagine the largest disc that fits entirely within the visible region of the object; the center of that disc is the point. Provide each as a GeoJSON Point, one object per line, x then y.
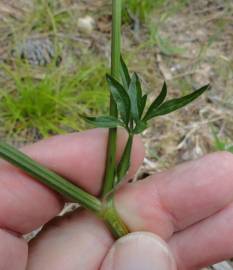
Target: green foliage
{"type": "Point", "coordinates": [121, 98]}
{"type": "Point", "coordinates": [125, 77]}
{"type": "Point", "coordinates": [158, 101]}
{"type": "Point", "coordinates": [221, 144]}
{"type": "Point", "coordinates": [131, 102]}
{"type": "Point", "coordinates": [104, 121]}
{"type": "Point", "coordinates": [47, 16]}
{"type": "Point", "coordinates": [131, 105]}
{"type": "Point", "coordinates": [140, 8]}
{"type": "Point", "coordinates": [175, 104]}
{"type": "Point", "coordinates": [135, 97]}
{"type": "Point", "coordinates": [52, 104]}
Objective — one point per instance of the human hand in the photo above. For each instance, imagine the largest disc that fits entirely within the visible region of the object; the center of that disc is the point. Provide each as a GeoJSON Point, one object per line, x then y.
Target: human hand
{"type": "Point", "coordinates": [188, 211]}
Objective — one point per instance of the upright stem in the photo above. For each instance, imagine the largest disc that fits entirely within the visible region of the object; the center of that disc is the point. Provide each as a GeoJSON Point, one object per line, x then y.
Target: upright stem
{"type": "Point", "coordinates": [115, 71]}
{"type": "Point", "coordinates": [116, 37]}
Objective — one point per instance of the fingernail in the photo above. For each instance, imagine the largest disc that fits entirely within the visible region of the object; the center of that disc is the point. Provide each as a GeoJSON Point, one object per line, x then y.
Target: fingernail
{"type": "Point", "coordinates": [139, 251]}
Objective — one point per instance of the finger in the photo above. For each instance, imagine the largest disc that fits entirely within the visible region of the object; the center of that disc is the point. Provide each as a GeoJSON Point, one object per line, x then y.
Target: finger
{"type": "Point", "coordinates": [205, 243]}
{"type": "Point", "coordinates": [173, 200]}
{"type": "Point", "coordinates": [76, 241]}
{"type": "Point", "coordinates": [79, 157]}
{"type": "Point", "coordinates": [13, 251]}
{"type": "Point", "coordinates": [139, 251]}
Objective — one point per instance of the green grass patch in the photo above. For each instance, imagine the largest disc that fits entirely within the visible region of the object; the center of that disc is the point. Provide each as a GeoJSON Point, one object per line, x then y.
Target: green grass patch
{"type": "Point", "coordinates": [142, 9]}
{"type": "Point", "coordinates": [139, 8]}
{"type": "Point", "coordinates": [48, 16]}
{"type": "Point", "coordinates": [52, 104]}
{"type": "Point", "coordinates": [221, 144]}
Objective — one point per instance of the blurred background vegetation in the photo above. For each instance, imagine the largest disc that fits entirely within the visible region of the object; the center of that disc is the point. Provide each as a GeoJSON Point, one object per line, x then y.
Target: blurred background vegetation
{"type": "Point", "coordinates": [54, 56]}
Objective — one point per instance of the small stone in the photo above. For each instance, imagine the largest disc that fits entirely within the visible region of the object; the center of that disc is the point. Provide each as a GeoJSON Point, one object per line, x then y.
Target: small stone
{"type": "Point", "coordinates": [86, 25]}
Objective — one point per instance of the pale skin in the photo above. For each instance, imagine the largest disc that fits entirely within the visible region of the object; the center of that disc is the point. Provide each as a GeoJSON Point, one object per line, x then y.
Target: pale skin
{"type": "Point", "coordinates": [187, 212]}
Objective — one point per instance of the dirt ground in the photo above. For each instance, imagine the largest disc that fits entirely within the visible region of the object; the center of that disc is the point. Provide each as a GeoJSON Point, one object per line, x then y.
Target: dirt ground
{"type": "Point", "coordinates": [207, 58]}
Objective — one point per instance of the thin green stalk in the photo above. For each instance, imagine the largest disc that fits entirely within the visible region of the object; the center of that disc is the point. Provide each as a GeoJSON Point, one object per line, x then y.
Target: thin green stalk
{"type": "Point", "coordinates": [115, 71]}
{"type": "Point", "coordinates": [105, 210]}
{"type": "Point", "coordinates": [49, 178]}
{"type": "Point", "coordinates": [124, 163]}
{"type": "Point", "coordinates": [112, 219]}
{"type": "Point", "coordinates": [116, 37]}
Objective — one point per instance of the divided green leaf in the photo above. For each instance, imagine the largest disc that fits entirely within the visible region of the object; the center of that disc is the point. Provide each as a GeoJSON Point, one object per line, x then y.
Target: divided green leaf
{"type": "Point", "coordinates": [157, 102]}
{"type": "Point", "coordinates": [143, 104]}
{"type": "Point", "coordinates": [175, 104]}
{"type": "Point", "coordinates": [135, 98]}
{"type": "Point", "coordinates": [121, 98]}
{"type": "Point", "coordinates": [103, 121]}
{"type": "Point", "coordinates": [125, 77]}
{"type": "Point", "coordinates": [138, 86]}
{"type": "Point", "coordinates": [141, 100]}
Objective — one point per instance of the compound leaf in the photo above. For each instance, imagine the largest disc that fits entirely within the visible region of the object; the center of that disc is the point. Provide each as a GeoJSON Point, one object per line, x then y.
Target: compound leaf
{"type": "Point", "coordinates": [143, 104]}
{"type": "Point", "coordinates": [135, 99]}
{"type": "Point", "coordinates": [125, 77]}
{"type": "Point", "coordinates": [121, 98]}
{"type": "Point", "coordinates": [157, 102]}
{"type": "Point", "coordinates": [175, 104]}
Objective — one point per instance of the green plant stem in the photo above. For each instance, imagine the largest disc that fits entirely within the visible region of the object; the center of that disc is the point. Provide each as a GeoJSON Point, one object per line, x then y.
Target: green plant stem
{"type": "Point", "coordinates": [116, 38]}
{"type": "Point", "coordinates": [112, 219]}
{"type": "Point", "coordinates": [115, 71]}
{"type": "Point", "coordinates": [124, 163]}
{"type": "Point", "coordinates": [49, 178]}
{"type": "Point", "coordinates": [104, 210]}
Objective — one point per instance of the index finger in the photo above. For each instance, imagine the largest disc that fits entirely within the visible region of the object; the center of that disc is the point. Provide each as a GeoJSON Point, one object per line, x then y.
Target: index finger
{"type": "Point", "coordinates": [80, 157]}
{"type": "Point", "coordinates": [171, 201]}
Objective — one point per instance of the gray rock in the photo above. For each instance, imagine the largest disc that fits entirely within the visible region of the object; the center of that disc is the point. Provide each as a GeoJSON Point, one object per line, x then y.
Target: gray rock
{"type": "Point", "coordinates": [37, 52]}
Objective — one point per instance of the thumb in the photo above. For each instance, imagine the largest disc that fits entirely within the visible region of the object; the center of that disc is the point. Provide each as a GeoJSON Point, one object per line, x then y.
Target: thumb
{"type": "Point", "coordinates": [137, 251]}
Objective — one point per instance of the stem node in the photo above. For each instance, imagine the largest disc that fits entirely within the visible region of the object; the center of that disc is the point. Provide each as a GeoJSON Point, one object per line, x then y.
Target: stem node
{"type": "Point", "coordinates": [110, 216]}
